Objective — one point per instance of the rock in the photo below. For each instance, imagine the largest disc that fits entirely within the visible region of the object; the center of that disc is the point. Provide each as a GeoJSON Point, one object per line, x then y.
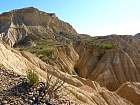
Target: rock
{"type": "Point", "coordinates": [42, 101]}
{"type": "Point", "coordinates": [30, 102]}
{"type": "Point", "coordinates": [130, 91]}
{"type": "Point", "coordinates": [33, 98]}
{"type": "Point", "coordinates": [1, 72]}
{"type": "Point", "coordinates": [4, 102]}
{"type": "Point", "coordinates": [26, 100]}
{"type": "Point", "coordinates": [30, 93]}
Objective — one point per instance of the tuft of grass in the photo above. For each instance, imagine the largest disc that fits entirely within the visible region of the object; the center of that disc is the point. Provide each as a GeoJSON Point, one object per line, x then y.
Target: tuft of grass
{"type": "Point", "coordinates": [32, 78]}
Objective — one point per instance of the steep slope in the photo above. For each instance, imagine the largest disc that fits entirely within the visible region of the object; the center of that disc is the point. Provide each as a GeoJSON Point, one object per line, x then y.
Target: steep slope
{"type": "Point", "coordinates": [76, 86]}
{"type": "Point", "coordinates": [39, 33]}
{"type": "Point", "coordinates": [44, 30]}
{"type": "Point", "coordinates": [88, 58]}
{"type": "Point", "coordinates": [110, 60]}
{"type": "Point", "coordinates": [130, 91]}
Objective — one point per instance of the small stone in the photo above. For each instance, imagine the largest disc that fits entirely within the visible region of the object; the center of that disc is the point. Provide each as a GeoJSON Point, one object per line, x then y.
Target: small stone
{"type": "Point", "coordinates": [30, 101]}
{"type": "Point", "coordinates": [37, 93]}
{"type": "Point", "coordinates": [26, 99]}
{"type": "Point", "coordinates": [33, 98]}
{"type": "Point", "coordinates": [38, 88]}
{"type": "Point", "coordinates": [42, 94]}
{"type": "Point", "coordinates": [1, 72]}
{"type": "Point", "coordinates": [30, 93]}
{"type": "Point", "coordinates": [43, 100]}
{"type": "Point", "coordinates": [4, 102]}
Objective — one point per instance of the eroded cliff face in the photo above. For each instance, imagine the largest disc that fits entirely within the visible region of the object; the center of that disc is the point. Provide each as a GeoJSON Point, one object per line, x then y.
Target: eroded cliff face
{"type": "Point", "coordinates": [113, 66]}
{"type": "Point", "coordinates": [29, 26]}
{"type": "Point", "coordinates": [80, 89]}
{"type": "Point", "coordinates": [130, 91]}
{"type": "Point", "coordinates": [79, 60]}
{"type": "Point", "coordinates": [17, 25]}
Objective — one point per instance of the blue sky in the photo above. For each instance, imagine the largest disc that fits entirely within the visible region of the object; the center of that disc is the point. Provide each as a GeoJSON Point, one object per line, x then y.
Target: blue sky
{"type": "Point", "coordinates": [94, 17]}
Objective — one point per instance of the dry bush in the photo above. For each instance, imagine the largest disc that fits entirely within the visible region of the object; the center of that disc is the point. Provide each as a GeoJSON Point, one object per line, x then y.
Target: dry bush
{"type": "Point", "coordinates": [54, 88]}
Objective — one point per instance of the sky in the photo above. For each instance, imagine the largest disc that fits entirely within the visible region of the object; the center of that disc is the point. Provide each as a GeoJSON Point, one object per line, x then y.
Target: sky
{"type": "Point", "coordinates": [93, 17]}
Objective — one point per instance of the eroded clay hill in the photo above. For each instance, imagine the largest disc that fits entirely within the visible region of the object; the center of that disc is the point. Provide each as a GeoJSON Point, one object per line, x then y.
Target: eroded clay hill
{"type": "Point", "coordinates": [79, 90]}
{"type": "Point", "coordinates": [18, 25]}
{"type": "Point", "coordinates": [77, 59]}
{"type": "Point", "coordinates": [110, 60]}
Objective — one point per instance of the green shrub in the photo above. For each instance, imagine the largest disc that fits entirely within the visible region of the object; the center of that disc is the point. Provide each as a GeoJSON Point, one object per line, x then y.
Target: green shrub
{"type": "Point", "coordinates": [32, 77]}
{"type": "Point", "coordinates": [106, 46]}
{"type": "Point", "coordinates": [46, 52]}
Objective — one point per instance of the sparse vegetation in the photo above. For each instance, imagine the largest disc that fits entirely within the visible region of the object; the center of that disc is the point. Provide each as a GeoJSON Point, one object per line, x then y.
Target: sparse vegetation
{"type": "Point", "coordinates": [54, 88]}
{"type": "Point", "coordinates": [50, 90]}
{"type": "Point", "coordinates": [18, 90]}
{"type": "Point", "coordinates": [106, 46]}
{"type": "Point", "coordinates": [32, 78]}
{"type": "Point", "coordinates": [45, 50]}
